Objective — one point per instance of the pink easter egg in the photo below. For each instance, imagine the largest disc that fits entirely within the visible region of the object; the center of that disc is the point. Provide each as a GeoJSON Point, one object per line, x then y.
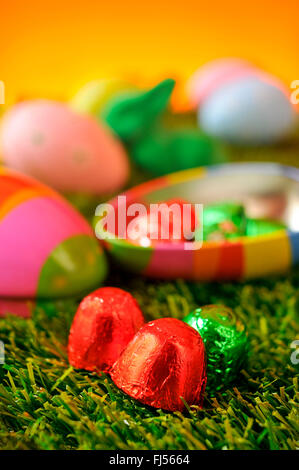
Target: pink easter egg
{"type": "Point", "coordinates": [221, 72]}
{"type": "Point", "coordinates": [214, 74]}
{"type": "Point", "coordinates": [68, 151]}
{"type": "Point", "coordinates": [47, 249]}
{"type": "Point", "coordinates": [21, 308]}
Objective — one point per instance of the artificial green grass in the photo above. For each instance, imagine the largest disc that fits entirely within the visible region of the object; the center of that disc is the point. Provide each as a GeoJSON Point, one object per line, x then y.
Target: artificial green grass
{"type": "Point", "coordinates": [45, 404]}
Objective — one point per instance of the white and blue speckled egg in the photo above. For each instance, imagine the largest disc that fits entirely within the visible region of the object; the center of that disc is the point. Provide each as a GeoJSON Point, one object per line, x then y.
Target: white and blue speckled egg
{"type": "Point", "coordinates": [249, 111]}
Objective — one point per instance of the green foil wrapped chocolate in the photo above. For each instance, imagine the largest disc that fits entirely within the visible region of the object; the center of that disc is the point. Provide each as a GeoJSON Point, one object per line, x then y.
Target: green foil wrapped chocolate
{"type": "Point", "coordinates": [255, 227]}
{"type": "Point", "coordinates": [225, 340]}
{"type": "Point", "coordinates": [222, 221]}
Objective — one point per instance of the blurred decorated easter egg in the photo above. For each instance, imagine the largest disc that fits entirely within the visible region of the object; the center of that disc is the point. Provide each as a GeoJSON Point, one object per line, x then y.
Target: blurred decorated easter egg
{"type": "Point", "coordinates": [95, 95]}
{"type": "Point", "coordinates": [215, 74]}
{"type": "Point", "coordinates": [68, 151]}
{"type": "Point", "coordinates": [220, 72]}
{"type": "Point", "coordinates": [165, 151]}
{"type": "Point", "coordinates": [248, 111]}
{"type": "Point", "coordinates": [47, 248]}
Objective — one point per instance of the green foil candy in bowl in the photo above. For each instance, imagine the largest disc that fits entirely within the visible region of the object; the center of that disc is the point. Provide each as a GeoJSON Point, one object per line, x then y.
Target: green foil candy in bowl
{"type": "Point", "coordinates": [226, 343]}
{"type": "Point", "coordinates": [255, 227]}
{"type": "Point", "coordinates": [223, 220]}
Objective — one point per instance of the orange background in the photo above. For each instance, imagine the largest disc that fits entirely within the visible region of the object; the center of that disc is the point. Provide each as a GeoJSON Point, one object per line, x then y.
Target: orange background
{"type": "Point", "coordinates": [49, 48]}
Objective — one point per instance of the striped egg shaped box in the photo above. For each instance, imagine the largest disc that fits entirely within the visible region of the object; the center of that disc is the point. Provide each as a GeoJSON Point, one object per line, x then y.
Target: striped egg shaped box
{"type": "Point", "coordinates": [47, 249]}
{"type": "Point", "coordinates": [265, 189]}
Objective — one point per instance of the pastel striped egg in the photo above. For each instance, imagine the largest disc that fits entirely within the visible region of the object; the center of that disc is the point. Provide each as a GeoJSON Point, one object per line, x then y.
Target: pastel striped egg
{"type": "Point", "coordinates": [47, 249]}
{"type": "Point", "coordinates": [66, 150]}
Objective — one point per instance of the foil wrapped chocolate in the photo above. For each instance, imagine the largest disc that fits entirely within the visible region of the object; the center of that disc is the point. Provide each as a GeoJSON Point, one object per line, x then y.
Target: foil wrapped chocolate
{"type": "Point", "coordinates": [223, 221]}
{"type": "Point", "coordinates": [227, 220]}
{"type": "Point", "coordinates": [164, 363]}
{"type": "Point", "coordinates": [225, 340]}
{"type": "Point", "coordinates": [105, 322]}
{"type": "Point", "coordinates": [175, 221]}
{"type": "Point", "coordinates": [255, 227]}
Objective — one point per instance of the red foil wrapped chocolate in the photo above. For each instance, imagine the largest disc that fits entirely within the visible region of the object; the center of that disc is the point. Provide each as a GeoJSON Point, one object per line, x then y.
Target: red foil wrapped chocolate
{"type": "Point", "coordinates": [167, 226]}
{"type": "Point", "coordinates": [105, 322]}
{"type": "Point", "coordinates": [164, 362]}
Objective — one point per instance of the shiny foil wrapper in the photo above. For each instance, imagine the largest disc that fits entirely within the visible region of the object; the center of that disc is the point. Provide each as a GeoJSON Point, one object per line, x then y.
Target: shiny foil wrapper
{"type": "Point", "coordinates": [223, 221]}
{"type": "Point", "coordinates": [105, 322]}
{"type": "Point", "coordinates": [225, 340]}
{"type": "Point", "coordinates": [164, 362]}
{"type": "Point", "coordinates": [255, 227]}
{"type": "Point", "coordinates": [153, 229]}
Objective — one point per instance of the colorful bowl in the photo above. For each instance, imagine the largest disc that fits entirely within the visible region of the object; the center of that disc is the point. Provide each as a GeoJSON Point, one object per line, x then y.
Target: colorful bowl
{"type": "Point", "coordinates": [266, 189]}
